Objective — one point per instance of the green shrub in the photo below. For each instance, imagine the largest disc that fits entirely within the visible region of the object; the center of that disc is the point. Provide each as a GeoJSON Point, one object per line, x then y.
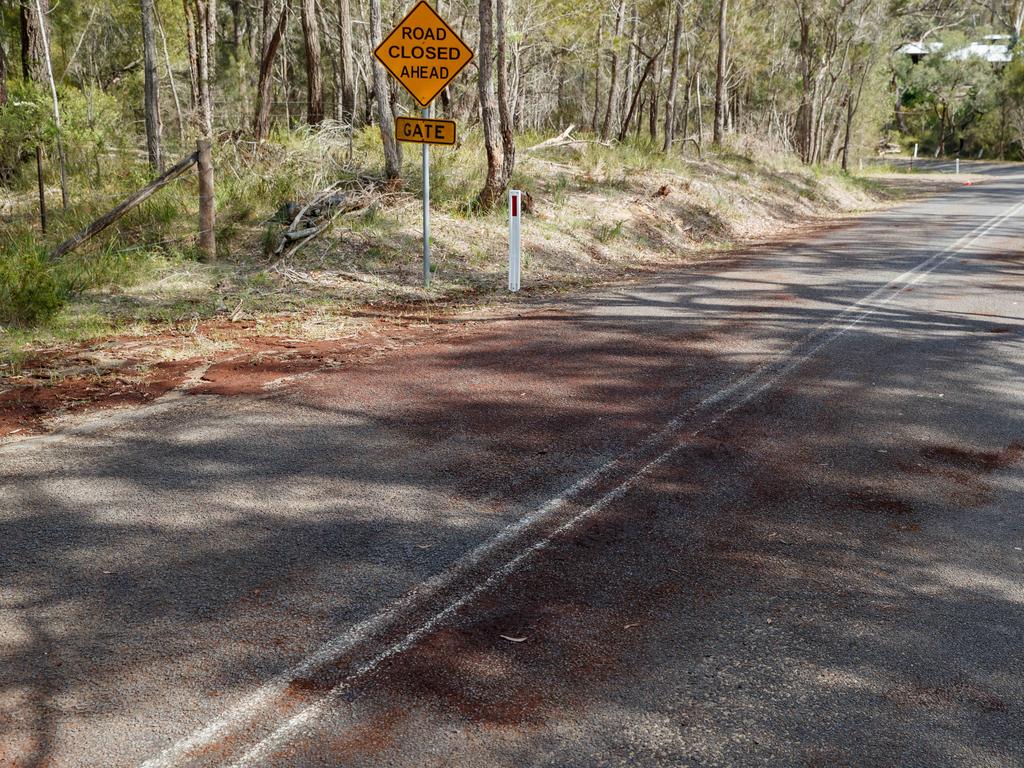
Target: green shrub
{"type": "Point", "coordinates": [90, 129]}
{"type": "Point", "coordinates": [31, 289]}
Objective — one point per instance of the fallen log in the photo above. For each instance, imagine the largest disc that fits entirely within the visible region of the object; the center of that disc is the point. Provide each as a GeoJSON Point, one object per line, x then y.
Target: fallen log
{"type": "Point", "coordinates": [122, 208]}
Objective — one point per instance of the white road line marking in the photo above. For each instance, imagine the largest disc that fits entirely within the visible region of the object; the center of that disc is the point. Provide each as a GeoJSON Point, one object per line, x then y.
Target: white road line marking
{"type": "Point", "coordinates": [759, 381]}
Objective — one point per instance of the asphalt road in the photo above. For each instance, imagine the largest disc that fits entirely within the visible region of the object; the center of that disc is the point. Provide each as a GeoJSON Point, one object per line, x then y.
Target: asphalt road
{"type": "Point", "coordinates": [769, 512]}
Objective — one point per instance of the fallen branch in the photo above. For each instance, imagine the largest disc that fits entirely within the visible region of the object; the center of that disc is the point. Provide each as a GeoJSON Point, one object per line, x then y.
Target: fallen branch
{"type": "Point", "coordinates": [697, 144]}
{"type": "Point", "coordinates": [322, 210]}
{"type": "Point", "coordinates": [565, 137]}
{"type": "Point", "coordinates": [294, 233]}
{"type": "Point", "coordinates": [122, 208]}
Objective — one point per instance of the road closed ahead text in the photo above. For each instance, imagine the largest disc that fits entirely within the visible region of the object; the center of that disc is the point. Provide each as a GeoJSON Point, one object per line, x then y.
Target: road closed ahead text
{"type": "Point", "coordinates": [432, 50]}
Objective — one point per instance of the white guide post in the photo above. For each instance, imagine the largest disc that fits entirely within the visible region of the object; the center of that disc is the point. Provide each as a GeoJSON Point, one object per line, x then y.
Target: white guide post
{"type": "Point", "coordinates": [958, 166]}
{"type": "Point", "coordinates": [515, 216]}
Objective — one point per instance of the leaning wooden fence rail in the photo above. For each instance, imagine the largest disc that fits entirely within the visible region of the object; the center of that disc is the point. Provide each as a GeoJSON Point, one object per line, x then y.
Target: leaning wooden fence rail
{"type": "Point", "coordinates": [206, 204]}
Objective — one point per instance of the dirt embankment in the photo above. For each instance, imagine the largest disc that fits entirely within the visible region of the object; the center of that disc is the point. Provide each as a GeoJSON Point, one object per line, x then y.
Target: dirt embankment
{"type": "Point", "coordinates": [592, 226]}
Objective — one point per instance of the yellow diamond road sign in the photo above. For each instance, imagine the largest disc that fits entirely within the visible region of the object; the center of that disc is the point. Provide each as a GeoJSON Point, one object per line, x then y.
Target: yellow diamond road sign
{"type": "Point", "coordinates": [423, 53]}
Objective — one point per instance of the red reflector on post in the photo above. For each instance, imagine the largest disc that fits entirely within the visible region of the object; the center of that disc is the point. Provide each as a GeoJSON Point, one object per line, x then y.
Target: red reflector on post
{"type": "Point", "coordinates": [515, 205]}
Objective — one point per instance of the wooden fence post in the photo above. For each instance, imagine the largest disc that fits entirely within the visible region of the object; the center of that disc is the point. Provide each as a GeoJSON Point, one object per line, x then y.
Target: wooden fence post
{"type": "Point", "coordinates": [207, 212]}
{"type": "Point", "coordinates": [42, 188]}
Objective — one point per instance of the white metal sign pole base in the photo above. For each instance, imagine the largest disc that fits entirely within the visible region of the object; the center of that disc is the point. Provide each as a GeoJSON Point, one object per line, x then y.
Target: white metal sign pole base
{"type": "Point", "coordinates": [515, 215]}
{"type": "Point", "coordinates": [426, 209]}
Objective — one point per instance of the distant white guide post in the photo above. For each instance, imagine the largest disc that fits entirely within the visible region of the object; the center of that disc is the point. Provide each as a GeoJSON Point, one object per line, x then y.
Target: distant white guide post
{"type": "Point", "coordinates": [958, 166]}
{"type": "Point", "coordinates": [515, 217]}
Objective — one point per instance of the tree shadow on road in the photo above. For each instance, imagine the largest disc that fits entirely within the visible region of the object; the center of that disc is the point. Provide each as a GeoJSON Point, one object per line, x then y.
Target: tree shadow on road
{"type": "Point", "coordinates": [150, 571]}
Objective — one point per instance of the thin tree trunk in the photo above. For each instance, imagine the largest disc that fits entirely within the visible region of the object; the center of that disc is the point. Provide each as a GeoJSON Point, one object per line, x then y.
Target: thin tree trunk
{"type": "Point", "coordinates": [613, 93]}
{"type": "Point", "coordinates": [488, 110]}
{"type": "Point", "coordinates": [3, 75]}
{"type": "Point", "coordinates": [508, 141]}
{"type": "Point", "coordinates": [314, 68]}
{"type": "Point", "coordinates": [634, 33]}
{"type": "Point", "coordinates": [272, 41]}
{"type": "Point", "coordinates": [56, 104]}
{"type": "Point", "coordinates": [652, 113]}
{"type": "Point", "coordinates": [154, 127]}
{"type": "Point", "coordinates": [385, 117]}
{"type": "Point", "coordinates": [78, 47]}
{"type": "Point", "coordinates": [347, 67]}
{"type": "Point", "coordinates": [193, 56]}
{"type": "Point", "coordinates": [597, 77]}
{"type": "Point", "coordinates": [687, 96]}
{"type": "Point", "coordinates": [634, 104]}
{"type": "Point", "coordinates": [720, 72]}
{"type": "Point", "coordinates": [170, 74]}
{"type": "Point", "coordinates": [286, 83]}
{"type": "Point", "coordinates": [673, 81]}
{"type": "Point", "coordinates": [804, 113]}
{"type": "Point", "coordinates": [236, 28]}
{"type": "Point", "coordinates": [700, 112]}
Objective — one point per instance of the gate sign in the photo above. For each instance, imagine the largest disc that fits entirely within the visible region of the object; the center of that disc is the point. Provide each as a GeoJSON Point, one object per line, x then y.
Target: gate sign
{"type": "Point", "coordinates": [423, 53]}
{"type": "Point", "coordinates": [424, 131]}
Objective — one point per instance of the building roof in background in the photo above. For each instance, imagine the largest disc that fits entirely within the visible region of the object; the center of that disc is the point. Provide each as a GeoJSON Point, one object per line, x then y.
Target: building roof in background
{"type": "Point", "coordinates": [994, 49]}
{"type": "Point", "coordinates": [990, 51]}
{"type": "Point", "coordinates": [919, 49]}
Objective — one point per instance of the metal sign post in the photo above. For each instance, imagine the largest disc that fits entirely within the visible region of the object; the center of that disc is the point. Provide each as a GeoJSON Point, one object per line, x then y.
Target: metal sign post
{"type": "Point", "coordinates": [426, 208]}
{"type": "Point", "coordinates": [515, 216]}
{"type": "Point", "coordinates": [424, 54]}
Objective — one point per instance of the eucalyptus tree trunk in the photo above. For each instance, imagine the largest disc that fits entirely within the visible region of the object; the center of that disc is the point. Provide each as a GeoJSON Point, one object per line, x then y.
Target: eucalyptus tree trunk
{"type": "Point", "coordinates": [488, 110]}
{"type": "Point", "coordinates": [613, 94]}
{"type": "Point", "coordinates": [634, 41]}
{"type": "Point", "coordinates": [193, 55]}
{"type": "Point", "coordinates": [206, 40]}
{"type": "Point", "coordinates": [597, 76]}
{"type": "Point", "coordinates": [237, 17]}
{"type": "Point", "coordinates": [314, 67]}
{"type": "Point", "coordinates": [204, 22]}
{"type": "Point", "coordinates": [347, 67]}
{"type": "Point", "coordinates": [805, 113]}
{"type": "Point", "coordinates": [673, 81]}
{"type": "Point", "coordinates": [700, 111]}
{"type": "Point", "coordinates": [385, 117]}
{"type": "Point", "coordinates": [508, 141]}
{"type": "Point", "coordinates": [272, 36]}
{"type": "Point", "coordinates": [154, 127]}
{"type": "Point", "coordinates": [635, 106]}
{"type": "Point", "coordinates": [33, 61]}
{"type": "Point", "coordinates": [721, 70]}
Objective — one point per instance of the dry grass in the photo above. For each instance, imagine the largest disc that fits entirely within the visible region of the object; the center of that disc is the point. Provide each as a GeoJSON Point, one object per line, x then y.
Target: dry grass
{"type": "Point", "coordinates": [600, 213]}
